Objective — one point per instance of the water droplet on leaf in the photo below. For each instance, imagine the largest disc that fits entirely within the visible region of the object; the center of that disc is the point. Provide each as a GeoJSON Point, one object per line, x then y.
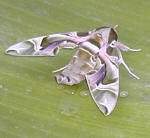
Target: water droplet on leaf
{"type": "Point", "coordinates": [72, 93]}
{"type": "Point", "coordinates": [147, 86]}
{"type": "Point", "coordinates": [10, 111]}
{"type": "Point", "coordinates": [123, 94]}
{"type": "Point", "coordinates": [95, 116]}
{"type": "Point", "coordinates": [69, 110]}
{"type": "Point", "coordinates": [33, 126]}
{"type": "Point", "coordinates": [28, 90]}
{"type": "Point", "coordinates": [1, 86]}
{"type": "Point", "coordinates": [32, 120]}
{"type": "Point", "coordinates": [6, 89]}
{"type": "Point", "coordinates": [84, 94]}
{"type": "Point", "coordinates": [16, 127]}
{"type": "Point", "coordinates": [41, 77]}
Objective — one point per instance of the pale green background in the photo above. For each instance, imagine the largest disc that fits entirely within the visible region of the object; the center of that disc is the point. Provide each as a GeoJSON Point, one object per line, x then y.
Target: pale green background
{"type": "Point", "coordinates": [33, 105]}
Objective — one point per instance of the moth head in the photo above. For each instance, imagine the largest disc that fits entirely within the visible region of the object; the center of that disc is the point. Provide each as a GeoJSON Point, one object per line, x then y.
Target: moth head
{"type": "Point", "coordinates": [108, 34]}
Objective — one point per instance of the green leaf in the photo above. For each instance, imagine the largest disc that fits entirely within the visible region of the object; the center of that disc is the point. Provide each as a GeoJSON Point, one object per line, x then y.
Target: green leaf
{"type": "Point", "coordinates": [33, 105]}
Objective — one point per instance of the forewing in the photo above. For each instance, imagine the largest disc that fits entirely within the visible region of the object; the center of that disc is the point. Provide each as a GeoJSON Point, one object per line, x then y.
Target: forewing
{"type": "Point", "coordinates": [104, 86]}
{"type": "Point", "coordinates": [41, 46]}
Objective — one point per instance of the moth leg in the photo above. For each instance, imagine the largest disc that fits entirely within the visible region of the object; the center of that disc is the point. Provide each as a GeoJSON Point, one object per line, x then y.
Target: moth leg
{"type": "Point", "coordinates": [60, 69]}
{"type": "Point", "coordinates": [123, 47]}
{"type": "Point", "coordinates": [121, 61]}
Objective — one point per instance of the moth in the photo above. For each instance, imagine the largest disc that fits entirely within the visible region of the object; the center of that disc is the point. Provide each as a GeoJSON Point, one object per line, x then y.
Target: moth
{"type": "Point", "coordinates": [96, 60]}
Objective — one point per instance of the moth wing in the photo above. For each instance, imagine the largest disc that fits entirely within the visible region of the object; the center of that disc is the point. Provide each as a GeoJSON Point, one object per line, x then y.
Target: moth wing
{"type": "Point", "coordinates": [81, 63]}
{"type": "Point", "coordinates": [104, 89]}
{"type": "Point", "coordinates": [41, 46]}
